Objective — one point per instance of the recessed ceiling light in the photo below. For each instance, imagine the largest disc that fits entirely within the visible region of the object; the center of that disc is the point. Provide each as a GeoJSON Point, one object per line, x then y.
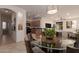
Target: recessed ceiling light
{"type": "Point", "coordinates": [70, 17]}
{"type": "Point", "coordinates": [20, 14]}
{"type": "Point", "coordinates": [67, 14]}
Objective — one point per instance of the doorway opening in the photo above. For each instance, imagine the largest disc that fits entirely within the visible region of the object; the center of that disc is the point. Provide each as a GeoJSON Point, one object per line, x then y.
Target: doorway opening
{"type": "Point", "coordinates": [7, 26]}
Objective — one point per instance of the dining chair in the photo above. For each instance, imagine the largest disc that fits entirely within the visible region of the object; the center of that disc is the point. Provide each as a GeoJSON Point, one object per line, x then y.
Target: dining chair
{"type": "Point", "coordinates": [36, 37]}
{"type": "Point", "coordinates": [71, 49]}
{"type": "Point", "coordinates": [30, 48]}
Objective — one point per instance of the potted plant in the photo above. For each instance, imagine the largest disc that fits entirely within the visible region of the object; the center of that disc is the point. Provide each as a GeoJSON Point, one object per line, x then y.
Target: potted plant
{"type": "Point", "coordinates": [49, 33]}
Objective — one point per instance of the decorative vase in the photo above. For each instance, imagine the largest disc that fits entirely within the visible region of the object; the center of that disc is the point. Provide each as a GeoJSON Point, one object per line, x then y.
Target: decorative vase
{"type": "Point", "coordinates": [49, 38]}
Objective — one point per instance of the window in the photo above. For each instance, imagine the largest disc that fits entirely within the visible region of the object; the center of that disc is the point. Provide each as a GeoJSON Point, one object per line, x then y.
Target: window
{"type": "Point", "coordinates": [3, 25]}
{"type": "Point", "coordinates": [74, 24]}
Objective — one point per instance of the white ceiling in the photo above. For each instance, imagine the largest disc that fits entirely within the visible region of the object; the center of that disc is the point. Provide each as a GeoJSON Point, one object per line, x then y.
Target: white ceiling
{"type": "Point", "coordinates": [39, 10]}
{"type": "Point", "coordinates": [64, 11]}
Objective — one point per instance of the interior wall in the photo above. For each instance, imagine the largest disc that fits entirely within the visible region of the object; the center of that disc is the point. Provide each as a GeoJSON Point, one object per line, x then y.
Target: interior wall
{"type": "Point", "coordinates": [43, 21]}
{"type": "Point", "coordinates": [66, 30]}
{"type": "Point", "coordinates": [14, 24]}
{"type": "Point", "coordinates": [0, 27]}
{"type": "Point", "coordinates": [69, 29]}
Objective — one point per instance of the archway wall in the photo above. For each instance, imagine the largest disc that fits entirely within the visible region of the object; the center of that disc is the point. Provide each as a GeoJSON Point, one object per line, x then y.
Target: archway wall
{"type": "Point", "coordinates": [20, 20]}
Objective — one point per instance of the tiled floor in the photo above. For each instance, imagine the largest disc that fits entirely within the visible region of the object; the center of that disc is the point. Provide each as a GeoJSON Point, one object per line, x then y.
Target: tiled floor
{"type": "Point", "coordinates": [13, 48]}
{"type": "Point", "coordinates": [9, 45]}
{"type": "Point", "coordinates": [6, 39]}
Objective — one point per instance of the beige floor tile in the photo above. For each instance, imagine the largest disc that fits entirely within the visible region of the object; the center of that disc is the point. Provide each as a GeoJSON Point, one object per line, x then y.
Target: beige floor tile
{"type": "Point", "coordinates": [13, 48]}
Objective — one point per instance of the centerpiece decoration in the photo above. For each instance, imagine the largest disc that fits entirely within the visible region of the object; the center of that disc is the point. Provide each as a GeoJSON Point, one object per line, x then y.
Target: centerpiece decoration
{"type": "Point", "coordinates": [49, 33]}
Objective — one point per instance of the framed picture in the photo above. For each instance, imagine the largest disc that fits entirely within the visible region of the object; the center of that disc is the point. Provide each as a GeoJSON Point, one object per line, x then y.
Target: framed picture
{"type": "Point", "coordinates": [68, 24]}
{"type": "Point", "coordinates": [20, 27]}
{"type": "Point", "coordinates": [48, 25]}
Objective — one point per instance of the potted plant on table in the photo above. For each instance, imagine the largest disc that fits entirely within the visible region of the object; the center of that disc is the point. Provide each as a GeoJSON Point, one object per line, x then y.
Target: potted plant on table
{"type": "Point", "coordinates": [49, 33]}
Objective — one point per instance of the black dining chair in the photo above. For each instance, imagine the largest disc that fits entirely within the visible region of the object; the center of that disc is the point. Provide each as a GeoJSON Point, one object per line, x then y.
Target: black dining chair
{"type": "Point", "coordinates": [28, 46]}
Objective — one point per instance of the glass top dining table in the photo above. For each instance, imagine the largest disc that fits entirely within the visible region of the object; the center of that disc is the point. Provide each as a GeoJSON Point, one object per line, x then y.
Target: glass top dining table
{"type": "Point", "coordinates": [47, 48]}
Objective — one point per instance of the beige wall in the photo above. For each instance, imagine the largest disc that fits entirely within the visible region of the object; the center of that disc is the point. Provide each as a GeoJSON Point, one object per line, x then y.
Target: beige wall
{"type": "Point", "coordinates": [65, 30]}
{"type": "Point", "coordinates": [46, 20]}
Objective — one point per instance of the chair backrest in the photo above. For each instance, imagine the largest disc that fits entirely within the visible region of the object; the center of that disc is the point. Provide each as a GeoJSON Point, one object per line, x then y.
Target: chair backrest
{"type": "Point", "coordinates": [28, 45]}
{"type": "Point", "coordinates": [34, 36]}
{"type": "Point", "coordinates": [29, 35]}
{"type": "Point", "coordinates": [72, 49]}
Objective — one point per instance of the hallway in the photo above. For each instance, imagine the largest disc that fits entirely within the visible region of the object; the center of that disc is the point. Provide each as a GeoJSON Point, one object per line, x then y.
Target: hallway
{"type": "Point", "coordinates": [7, 24]}
{"type": "Point", "coordinates": [11, 19]}
{"type": "Point", "coordinates": [6, 39]}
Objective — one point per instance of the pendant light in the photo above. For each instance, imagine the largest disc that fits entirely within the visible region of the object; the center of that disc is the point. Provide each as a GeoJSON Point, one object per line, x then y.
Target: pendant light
{"type": "Point", "coordinates": [52, 9]}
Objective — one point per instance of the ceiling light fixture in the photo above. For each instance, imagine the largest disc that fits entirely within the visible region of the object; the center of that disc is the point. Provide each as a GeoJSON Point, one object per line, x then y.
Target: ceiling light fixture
{"type": "Point", "coordinates": [68, 14]}
{"type": "Point", "coordinates": [52, 9]}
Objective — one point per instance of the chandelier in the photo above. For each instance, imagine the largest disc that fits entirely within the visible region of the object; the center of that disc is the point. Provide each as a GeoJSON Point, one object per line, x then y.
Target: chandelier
{"type": "Point", "coordinates": [52, 9]}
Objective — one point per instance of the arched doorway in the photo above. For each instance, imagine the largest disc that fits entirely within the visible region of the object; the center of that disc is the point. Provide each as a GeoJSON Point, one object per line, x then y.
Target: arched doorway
{"type": "Point", "coordinates": [7, 26]}
{"type": "Point", "coordinates": [20, 17]}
